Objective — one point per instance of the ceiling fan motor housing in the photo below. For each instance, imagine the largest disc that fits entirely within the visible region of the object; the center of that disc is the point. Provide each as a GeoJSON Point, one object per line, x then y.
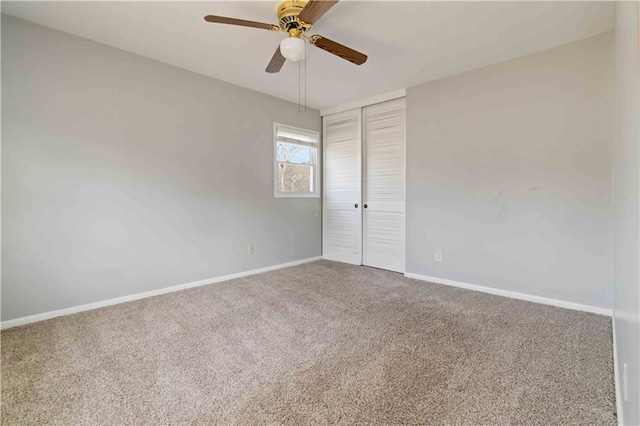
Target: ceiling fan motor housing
{"type": "Point", "coordinates": [288, 12]}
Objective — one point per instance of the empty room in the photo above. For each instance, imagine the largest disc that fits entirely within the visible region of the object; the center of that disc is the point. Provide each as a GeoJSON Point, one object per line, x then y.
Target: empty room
{"type": "Point", "coordinates": [320, 212]}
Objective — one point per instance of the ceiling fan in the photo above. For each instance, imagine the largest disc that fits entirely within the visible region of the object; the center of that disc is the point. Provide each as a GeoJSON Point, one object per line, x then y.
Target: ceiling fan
{"type": "Point", "coordinates": [296, 17]}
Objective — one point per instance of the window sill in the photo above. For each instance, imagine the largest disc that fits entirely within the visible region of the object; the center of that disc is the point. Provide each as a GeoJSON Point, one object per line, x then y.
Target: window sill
{"type": "Point", "coordinates": [295, 195]}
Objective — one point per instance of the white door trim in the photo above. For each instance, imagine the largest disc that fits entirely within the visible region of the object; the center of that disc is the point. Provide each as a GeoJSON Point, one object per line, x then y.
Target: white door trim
{"type": "Point", "coordinates": [361, 103]}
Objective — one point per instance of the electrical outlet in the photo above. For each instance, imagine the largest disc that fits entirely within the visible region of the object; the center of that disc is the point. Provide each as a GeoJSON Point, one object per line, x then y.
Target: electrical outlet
{"type": "Point", "coordinates": [625, 384]}
{"type": "Point", "coordinates": [438, 256]}
{"type": "Point", "coordinates": [251, 249]}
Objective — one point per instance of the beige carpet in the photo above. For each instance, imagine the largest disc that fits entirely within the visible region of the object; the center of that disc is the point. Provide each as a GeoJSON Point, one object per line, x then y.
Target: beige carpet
{"type": "Point", "coordinates": [317, 343]}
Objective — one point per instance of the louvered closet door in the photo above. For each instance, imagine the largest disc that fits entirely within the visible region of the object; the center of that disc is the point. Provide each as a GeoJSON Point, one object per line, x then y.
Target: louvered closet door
{"type": "Point", "coordinates": [384, 186]}
{"type": "Point", "coordinates": [342, 206]}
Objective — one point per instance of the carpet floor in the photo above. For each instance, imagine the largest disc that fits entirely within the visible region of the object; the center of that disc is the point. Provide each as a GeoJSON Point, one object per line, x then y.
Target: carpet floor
{"type": "Point", "coordinates": [319, 343]}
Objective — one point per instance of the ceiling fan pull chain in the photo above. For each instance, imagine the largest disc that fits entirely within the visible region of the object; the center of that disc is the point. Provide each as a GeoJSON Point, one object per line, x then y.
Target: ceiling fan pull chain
{"type": "Point", "coordinates": [306, 58]}
{"type": "Point", "coordinates": [299, 86]}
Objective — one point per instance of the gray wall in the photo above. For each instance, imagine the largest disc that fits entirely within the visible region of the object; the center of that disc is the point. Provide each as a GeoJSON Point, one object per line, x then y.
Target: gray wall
{"type": "Point", "coordinates": [121, 175]}
{"type": "Point", "coordinates": [627, 206]}
{"type": "Point", "coordinates": [509, 173]}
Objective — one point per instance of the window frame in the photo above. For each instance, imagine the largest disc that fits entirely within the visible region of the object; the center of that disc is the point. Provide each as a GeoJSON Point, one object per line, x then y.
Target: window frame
{"type": "Point", "coordinates": [315, 161]}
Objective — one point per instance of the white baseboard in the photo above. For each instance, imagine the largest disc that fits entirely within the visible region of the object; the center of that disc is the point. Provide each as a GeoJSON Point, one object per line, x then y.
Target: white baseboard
{"type": "Point", "coordinates": [95, 305]}
{"type": "Point", "coordinates": [514, 295]}
{"type": "Point", "coordinates": [616, 377]}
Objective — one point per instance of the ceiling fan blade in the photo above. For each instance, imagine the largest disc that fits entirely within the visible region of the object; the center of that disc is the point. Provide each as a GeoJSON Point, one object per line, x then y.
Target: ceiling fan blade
{"type": "Point", "coordinates": [314, 10]}
{"type": "Point", "coordinates": [338, 49]}
{"type": "Point", "coordinates": [241, 22]}
{"type": "Point", "coordinates": [276, 62]}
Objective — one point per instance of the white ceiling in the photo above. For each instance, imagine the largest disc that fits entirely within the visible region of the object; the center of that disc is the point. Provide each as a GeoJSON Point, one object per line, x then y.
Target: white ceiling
{"type": "Point", "coordinates": [407, 42]}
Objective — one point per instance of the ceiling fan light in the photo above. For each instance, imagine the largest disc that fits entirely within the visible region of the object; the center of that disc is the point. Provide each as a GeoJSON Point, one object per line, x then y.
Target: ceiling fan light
{"type": "Point", "coordinates": [292, 48]}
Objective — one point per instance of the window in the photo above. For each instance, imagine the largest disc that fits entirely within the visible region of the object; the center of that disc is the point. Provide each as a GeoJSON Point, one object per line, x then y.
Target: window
{"type": "Point", "coordinates": [296, 162]}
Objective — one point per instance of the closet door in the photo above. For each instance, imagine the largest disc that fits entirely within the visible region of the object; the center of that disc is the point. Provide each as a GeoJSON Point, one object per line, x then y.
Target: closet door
{"type": "Point", "coordinates": [384, 186]}
{"type": "Point", "coordinates": [342, 206]}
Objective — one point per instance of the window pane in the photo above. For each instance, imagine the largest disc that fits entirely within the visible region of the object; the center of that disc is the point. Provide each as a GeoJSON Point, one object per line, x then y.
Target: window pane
{"type": "Point", "coordinates": [293, 153]}
{"type": "Point", "coordinates": [295, 178]}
